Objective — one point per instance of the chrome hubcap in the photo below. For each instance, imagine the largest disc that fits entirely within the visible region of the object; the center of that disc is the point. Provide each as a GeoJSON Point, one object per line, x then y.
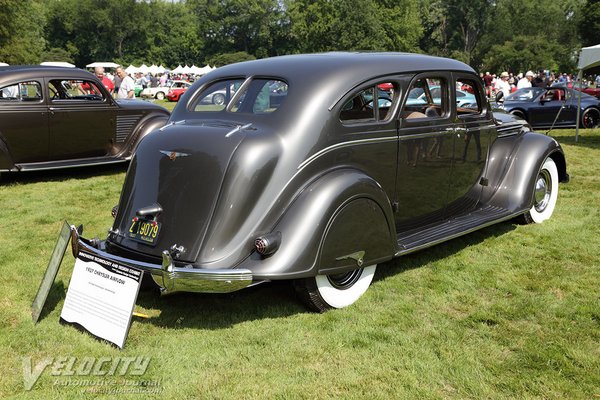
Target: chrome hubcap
{"type": "Point", "coordinates": [344, 280]}
{"type": "Point", "coordinates": [543, 189]}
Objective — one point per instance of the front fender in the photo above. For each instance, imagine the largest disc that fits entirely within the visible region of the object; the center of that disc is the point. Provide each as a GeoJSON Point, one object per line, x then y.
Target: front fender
{"type": "Point", "coordinates": [342, 212]}
{"type": "Point", "coordinates": [147, 125]}
{"type": "Point", "coordinates": [515, 162]}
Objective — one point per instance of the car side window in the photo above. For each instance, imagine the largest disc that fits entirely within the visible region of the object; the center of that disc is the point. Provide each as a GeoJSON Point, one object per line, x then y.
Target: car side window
{"type": "Point", "coordinates": [467, 97]}
{"type": "Point", "coordinates": [427, 98]}
{"type": "Point", "coordinates": [370, 104]}
{"type": "Point", "coordinates": [259, 96]}
{"type": "Point", "coordinates": [74, 90]}
{"type": "Point", "coordinates": [22, 91]}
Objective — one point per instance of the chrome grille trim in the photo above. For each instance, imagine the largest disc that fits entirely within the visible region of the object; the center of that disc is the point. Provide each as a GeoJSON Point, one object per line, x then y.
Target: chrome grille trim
{"type": "Point", "coordinates": [125, 126]}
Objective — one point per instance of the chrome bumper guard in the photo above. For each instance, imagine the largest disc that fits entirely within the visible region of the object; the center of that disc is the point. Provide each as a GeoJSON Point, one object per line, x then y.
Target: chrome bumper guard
{"type": "Point", "coordinates": [171, 278]}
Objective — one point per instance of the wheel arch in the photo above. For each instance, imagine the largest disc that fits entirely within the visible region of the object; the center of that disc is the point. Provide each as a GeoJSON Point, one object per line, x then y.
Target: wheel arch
{"type": "Point", "coordinates": [520, 111]}
{"type": "Point", "coordinates": [321, 216]}
{"type": "Point", "coordinates": [148, 124]}
{"type": "Point", "coordinates": [512, 187]}
{"type": "Point", "coordinates": [6, 161]}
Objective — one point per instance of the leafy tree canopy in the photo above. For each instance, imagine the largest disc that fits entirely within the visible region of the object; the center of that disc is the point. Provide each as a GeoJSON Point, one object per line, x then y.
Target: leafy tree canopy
{"type": "Point", "coordinates": [487, 34]}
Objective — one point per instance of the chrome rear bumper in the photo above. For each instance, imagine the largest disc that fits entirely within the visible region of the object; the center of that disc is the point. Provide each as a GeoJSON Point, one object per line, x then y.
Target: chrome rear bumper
{"type": "Point", "coordinates": [171, 278]}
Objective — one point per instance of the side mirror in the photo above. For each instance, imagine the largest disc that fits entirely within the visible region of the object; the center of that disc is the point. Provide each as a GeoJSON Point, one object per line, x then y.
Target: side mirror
{"type": "Point", "coordinates": [500, 97]}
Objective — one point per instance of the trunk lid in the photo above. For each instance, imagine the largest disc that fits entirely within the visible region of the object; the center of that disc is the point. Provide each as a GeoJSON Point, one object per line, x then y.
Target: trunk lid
{"type": "Point", "coordinates": [180, 168]}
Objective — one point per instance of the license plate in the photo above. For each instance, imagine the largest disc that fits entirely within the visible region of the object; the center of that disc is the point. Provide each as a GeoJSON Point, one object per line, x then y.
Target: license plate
{"type": "Point", "coordinates": [143, 230]}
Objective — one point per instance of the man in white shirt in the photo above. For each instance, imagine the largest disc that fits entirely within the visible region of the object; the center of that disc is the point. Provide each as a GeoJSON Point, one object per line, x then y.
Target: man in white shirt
{"type": "Point", "coordinates": [525, 82]}
{"type": "Point", "coordinates": [127, 88]}
{"type": "Point", "coordinates": [502, 85]}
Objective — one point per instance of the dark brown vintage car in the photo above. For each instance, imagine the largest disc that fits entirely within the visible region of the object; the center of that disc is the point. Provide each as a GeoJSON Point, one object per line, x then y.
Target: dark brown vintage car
{"type": "Point", "coordinates": [307, 172]}
{"type": "Point", "coordinates": [53, 117]}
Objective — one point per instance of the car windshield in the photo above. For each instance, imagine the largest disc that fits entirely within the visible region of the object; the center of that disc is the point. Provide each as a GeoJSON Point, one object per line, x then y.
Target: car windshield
{"type": "Point", "coordinates": [525, 94]}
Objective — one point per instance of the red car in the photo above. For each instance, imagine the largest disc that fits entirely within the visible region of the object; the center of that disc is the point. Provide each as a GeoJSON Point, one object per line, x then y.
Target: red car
{"type": "Point", "coordinates": [177, 89]}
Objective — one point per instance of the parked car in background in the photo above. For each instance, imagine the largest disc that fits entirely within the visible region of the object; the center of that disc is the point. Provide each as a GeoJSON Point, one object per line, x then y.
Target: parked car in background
{"type": "Point", "coordinates": [54, 117]}
{"type": "Point", "coordinates": [591, 90]}
{"type": "Point", "coordinates": [320, 182]}
{"type": "Point", "coordinates": [554, 106]}
{"type": "Point", "coordinates": [177, 89]}
{"type": "Point", "coordinates": [158, 93]}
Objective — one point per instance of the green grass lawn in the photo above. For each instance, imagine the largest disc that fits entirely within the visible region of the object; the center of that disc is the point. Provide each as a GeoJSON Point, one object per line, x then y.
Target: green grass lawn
{"type": "Point", "coordinates": [510, 311]}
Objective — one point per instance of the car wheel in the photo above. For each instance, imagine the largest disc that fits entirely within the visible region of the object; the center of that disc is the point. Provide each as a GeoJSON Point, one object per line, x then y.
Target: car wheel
{"type": "Point", "coordinates": [326, 292]}
{"type": "Point", "coordinates": [545, 194]}
{"type": "Point", "coordinates": [518, 113]}
{"type": "Point", "coordinates": [218, 99]}
{"type": "Point", "coordinates": [590, 118]}
{"type": "Point", "coordinates": [160, 96]}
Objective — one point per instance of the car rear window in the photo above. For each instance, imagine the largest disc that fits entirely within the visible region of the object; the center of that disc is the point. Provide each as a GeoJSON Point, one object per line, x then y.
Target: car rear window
{"type": "Point", "coordinates": [23, 91]}
{"type": "Point", "coordinates": [257, 96]}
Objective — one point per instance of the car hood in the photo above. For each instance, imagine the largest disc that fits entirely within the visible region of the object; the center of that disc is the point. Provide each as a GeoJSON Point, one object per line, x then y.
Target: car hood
{"type": "Point", "coordinates": [180, 168]}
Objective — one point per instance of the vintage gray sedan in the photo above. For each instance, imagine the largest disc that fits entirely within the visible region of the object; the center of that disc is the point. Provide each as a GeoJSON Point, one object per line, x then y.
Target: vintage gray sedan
{"type": "Point", "coordinates": [320, 181]}
{"type": "Point", "coordinates": [56, 117]}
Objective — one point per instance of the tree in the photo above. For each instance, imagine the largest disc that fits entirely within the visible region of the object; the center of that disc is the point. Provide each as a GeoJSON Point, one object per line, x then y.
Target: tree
{"type": "Point", "coordinates": [251, 26]}
{"type": "Point", "coordinates": [329, 25]}
{"type": "Point", "coordinates": [21, 25]}
{"type": "Point", "coordinates": [589, 25]}
{"type": "Point", "coordinates": [230, 58]}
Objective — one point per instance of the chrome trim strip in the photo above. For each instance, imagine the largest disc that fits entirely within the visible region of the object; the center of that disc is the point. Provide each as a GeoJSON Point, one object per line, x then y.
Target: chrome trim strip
{"type": "Point", "coordinates": [346, 144]}
{"type": "Point", "coordinates": [181, 279]}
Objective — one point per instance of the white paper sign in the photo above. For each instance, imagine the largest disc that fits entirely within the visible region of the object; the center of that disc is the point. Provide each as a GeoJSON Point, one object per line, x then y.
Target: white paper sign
{"type": "Point", "coordinates": [101, 297]}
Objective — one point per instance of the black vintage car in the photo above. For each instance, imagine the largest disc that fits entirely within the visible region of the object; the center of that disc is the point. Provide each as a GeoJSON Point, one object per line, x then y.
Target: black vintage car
{"type": "Point", "coordinates": [55, 117]}
{"type": "Point", "coordinates": [553, 107]}
{"type": "Point", "coordinates": [323, 180]}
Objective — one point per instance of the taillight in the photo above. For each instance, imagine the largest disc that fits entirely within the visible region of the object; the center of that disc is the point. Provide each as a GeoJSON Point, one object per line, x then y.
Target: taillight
{"type": "Point", "coordinates": [267, 244]}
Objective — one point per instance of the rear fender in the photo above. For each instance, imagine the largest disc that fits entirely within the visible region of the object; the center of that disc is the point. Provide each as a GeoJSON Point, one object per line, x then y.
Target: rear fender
{"type": "Point", "coordinates": [6, 161]}
{"type": "Point", "coordinates": [342, 213]}
{"type": "Point", "coordinates": [515, 162]}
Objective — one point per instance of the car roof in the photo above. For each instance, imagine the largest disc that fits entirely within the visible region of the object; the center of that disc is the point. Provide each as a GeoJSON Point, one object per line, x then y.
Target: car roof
{"type": "Point", "coordinates": [336, 63]}
{"type": "Point", "coordinates": [24, 72]}
{"type": "Point", "coordinates": [329, 75]}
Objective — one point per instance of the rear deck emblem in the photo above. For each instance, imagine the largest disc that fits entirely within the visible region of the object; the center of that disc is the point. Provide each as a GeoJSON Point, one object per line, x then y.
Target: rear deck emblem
{"type": "Point", "coordinates": [173, 154]}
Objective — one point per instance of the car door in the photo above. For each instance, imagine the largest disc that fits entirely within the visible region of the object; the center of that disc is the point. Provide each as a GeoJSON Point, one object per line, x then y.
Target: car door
{"type": "Point", "coordinates": [425, 151]}
{"type": "Point", "coordinates": [546, 107]}
{"type": "Point", "coordinates": [367, 134]}
{"type": "Point", "coordinates": [568, 115]}
{"type": "Point", "coordinates": [81, 120]}
{"type": "Point", "coordinates": [475, 131]}
{"type": "Point", "coordinates": [24, 121]}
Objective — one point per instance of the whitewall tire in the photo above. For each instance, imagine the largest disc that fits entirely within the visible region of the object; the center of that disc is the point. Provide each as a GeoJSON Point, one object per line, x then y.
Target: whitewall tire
{"type": "Point", "coordinates": [326, 292]}
{"type": "Point", "coordinates": [545, 194]}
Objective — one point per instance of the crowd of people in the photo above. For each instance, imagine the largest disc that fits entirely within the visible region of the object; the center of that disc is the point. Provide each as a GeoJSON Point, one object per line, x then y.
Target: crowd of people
{"type": "Point", "coordinates": [508, 82]}
{"type": "Point", "coordinates": [122, 85]}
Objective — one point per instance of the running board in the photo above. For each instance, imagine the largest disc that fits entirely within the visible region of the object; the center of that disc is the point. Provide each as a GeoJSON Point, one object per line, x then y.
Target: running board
{"type": "Point", "coordinates": [421, 238]}
{"type": "Point", "coordinates": [80, 162]}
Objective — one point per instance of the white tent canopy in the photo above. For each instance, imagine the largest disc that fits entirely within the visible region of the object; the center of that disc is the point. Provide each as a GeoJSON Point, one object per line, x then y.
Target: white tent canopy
{"type": "Point", "coordinates": [102, 64]}
{"type": "Point", "coordinates": [588, 58]}
{"type": "Point", "coordinates": [131, 69]}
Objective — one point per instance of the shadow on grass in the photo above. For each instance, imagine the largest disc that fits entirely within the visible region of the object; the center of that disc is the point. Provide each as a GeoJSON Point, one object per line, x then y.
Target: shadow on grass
{"type": "Point", "coordinates": [422, 258]}
{"type": "Point", "coordinates": [589, 138]}
{"type": "Point", "coordinates": [57, 175]}
{"type": "Point", "coordinates": [219, 311]}
{"type": "Point", "coordinates": [55, 295]}
{"type": "Point", "coordinates": [277, 299]}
